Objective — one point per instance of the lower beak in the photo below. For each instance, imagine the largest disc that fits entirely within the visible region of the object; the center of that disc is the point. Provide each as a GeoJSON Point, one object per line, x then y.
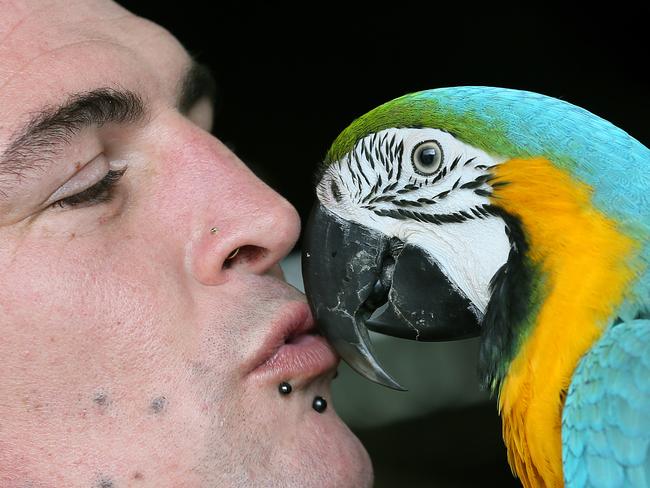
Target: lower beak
{"type": "Point", "coordinates": [350, 271]}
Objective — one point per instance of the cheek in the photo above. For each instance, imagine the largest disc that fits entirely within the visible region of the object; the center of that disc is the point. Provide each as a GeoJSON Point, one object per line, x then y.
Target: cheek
{"type": "Point", "coordinates": [88, 303]}
{"type": "Point", "coordinates": [95, 337]}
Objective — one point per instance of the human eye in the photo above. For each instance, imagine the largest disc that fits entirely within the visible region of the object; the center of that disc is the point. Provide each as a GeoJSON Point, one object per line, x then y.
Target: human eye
{"type": "Point", "coordinates": [101, 192]}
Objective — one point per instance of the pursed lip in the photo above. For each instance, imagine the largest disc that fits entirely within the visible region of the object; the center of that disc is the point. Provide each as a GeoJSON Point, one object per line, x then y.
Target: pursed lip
{"type": "Point", "coordinates": [293, 350]}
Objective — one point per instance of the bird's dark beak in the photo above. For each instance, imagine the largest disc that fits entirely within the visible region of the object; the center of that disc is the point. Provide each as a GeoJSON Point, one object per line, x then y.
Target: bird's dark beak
{"type": "Point", "coordinates": [350, 271]}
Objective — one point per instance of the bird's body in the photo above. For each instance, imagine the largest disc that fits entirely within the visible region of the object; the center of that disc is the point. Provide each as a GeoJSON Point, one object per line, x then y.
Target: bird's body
{"type": "Point", "coordinates": [534, 215]}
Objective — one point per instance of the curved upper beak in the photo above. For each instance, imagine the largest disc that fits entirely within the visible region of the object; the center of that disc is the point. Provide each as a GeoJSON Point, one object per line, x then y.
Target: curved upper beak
{"type": "Point", "coordinates": [350, 271]}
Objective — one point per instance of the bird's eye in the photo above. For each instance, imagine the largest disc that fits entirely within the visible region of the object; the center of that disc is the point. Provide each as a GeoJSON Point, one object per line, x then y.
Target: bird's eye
{"type": "Point", "coordinates": [427, 157]}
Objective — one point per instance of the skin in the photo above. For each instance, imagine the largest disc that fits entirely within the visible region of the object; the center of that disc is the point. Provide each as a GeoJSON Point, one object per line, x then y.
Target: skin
{"type": "Point", "coordinates": [127, 334]}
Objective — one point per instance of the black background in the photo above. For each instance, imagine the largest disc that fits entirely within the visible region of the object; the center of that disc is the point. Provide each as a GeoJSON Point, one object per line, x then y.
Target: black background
{"type": "Point", "coordinates": [291, 77]}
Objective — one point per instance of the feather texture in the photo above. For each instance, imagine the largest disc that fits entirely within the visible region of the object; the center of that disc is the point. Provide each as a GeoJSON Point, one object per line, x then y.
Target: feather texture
{"type": "Point", "coordinates": [580, 188]}
{"type": "Point", "coordinates": [520, 124]}
{"type": "Point", "coordinates": [606, 418]}
{"type": "Point", "coordinates": [583, 256]}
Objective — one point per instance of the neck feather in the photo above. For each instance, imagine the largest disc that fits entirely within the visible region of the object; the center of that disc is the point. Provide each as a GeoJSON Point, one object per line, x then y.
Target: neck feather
{"type": "Point", "coordinates": [577, 263]}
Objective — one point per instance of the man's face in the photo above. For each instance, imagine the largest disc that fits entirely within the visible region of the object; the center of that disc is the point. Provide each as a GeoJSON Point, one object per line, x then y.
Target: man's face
{"type": "Point", "coordinates": [136, 349]}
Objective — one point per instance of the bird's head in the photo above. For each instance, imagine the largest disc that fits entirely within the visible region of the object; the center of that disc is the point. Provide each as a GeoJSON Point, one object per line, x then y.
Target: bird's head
{"type": "Point", "coordinates": [413, 235]}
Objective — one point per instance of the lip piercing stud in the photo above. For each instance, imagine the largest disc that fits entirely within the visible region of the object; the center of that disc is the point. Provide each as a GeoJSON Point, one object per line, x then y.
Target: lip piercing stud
{"type": "Point", "coordinates": [319, 404]}
{"type": "Point", "coordinates": [214, 230]}
{"type": "Point", "coordinates": [233, 254]}
{"type": "Point", "coordinates": [284, 388]}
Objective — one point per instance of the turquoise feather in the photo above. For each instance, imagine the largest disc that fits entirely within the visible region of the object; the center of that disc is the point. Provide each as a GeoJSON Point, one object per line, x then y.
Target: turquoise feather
{"type": "Point", "coordinates": [606, 417]}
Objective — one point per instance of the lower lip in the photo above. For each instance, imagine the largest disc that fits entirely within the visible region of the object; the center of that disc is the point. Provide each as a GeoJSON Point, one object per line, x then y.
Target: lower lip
{"type": "Point", "coordinates": [306, 356]}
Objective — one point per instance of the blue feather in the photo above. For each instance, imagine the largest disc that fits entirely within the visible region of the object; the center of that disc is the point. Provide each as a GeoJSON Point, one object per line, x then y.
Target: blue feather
{"type": "Point", "coordinates": [606, 417]}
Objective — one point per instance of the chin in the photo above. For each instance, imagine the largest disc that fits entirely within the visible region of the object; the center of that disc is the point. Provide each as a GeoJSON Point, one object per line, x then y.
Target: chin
{"type": "Point", "coordinates": [294, 446]}
{"type": "Point", "coordinates": [289, 446]}
{"type": "Point", "coordinates": [354, 459]}
{"type": "Point", "coordinates": [328, 454]}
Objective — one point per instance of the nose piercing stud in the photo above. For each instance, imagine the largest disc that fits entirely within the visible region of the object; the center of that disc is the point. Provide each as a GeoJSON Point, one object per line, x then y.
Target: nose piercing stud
{"type": "Point", "coordinates": [233, 254]}
{"type": "Point", "coordinates": [284, 388]}
{"type": "Point", "coordinates": [319, 404]}
{"type": "Point", "coordinates": [214, 230]}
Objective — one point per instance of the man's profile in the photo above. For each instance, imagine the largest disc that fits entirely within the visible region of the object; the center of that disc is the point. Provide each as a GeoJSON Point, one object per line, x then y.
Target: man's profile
{"type": "Point", "coordinates": [146, 328]}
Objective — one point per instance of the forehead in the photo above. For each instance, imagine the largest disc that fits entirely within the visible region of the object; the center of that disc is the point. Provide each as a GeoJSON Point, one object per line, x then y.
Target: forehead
{"type": "Point", "coordinates": [49, 50]}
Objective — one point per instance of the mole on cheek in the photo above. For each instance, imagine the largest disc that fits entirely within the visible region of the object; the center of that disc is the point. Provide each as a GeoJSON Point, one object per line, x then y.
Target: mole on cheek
{"type": "Point", "coordinates": [104, 482]}
{"type": "Point", "coordinates": [158, 404]}
{"type": "Point", "coordinates": [101, 399]}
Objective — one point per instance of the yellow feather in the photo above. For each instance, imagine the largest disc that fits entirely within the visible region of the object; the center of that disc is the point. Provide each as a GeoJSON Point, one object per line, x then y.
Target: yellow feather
{"type": "Point", "coordinates": [585, 259]}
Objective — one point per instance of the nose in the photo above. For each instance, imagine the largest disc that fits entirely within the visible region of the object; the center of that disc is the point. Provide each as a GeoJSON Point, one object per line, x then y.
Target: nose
{"type": "Point", "coordinates": [243, 226]}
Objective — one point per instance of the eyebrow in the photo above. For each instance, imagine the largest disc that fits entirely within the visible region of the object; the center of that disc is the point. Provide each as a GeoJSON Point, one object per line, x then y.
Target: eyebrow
{"type": "Point", "coordinates": [52, 128]}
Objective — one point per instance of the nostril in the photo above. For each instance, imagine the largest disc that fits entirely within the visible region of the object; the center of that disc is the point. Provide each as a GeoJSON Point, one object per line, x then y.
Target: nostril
{"type": "Point", "coordinates": [244, 255]}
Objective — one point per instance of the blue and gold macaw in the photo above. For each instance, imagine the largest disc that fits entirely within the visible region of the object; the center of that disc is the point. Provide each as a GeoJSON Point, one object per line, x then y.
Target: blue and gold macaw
{"type": "Point", "coordinates": [521, 218]}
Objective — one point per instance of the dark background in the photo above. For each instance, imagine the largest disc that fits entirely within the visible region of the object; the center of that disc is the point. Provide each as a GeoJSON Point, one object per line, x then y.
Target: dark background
{"type": "Point", "coordinates": [290, 78]}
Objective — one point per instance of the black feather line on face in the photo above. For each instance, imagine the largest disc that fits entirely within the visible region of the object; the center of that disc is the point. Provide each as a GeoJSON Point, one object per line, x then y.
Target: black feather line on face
{"type": "Point", "coordinates": [357, 159]}
{"type": "Point", "coordinates": [397, 160]}
{"type": "Point", "coordinates": [384, 160]}
{"type": "Point", "coordinates": [476, 212]}
{"type": "Point", "coordinates": [367, 151]}
{"type": "Point", "coordinates": [453, 165]}
{"type": "Point", "coordinates": [392, 186]}
{"type": "Point", "coordinates": [382, 198]}
{"type": "Point", "coordinates": [478, 181]}
{"type": "Point", "coordinates": [378, 147]}
{"type": "Point", "coordinates": [438, 219]}
{"type": "Point", "coordinates": [511, 307]}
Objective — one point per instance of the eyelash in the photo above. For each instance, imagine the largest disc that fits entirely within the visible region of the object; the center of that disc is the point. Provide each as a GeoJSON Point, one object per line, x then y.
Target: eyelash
{"type": "Point", "coordinates": [101, 192]}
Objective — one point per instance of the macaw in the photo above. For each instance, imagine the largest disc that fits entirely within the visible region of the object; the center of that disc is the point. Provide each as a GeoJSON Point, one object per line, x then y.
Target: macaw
{"type": "Point", "coordinates": [516, 217]}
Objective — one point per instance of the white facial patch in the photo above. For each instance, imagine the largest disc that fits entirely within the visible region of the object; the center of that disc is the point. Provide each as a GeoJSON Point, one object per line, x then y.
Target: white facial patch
{"type": "Point", "coordinates": [427, 188]}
